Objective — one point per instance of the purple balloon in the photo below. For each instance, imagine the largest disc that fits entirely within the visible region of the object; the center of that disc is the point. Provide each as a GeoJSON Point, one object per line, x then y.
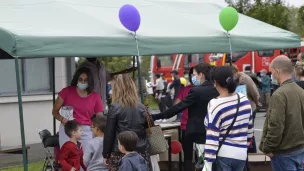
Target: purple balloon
{"type": "Point", "coordinates": [129, 17]}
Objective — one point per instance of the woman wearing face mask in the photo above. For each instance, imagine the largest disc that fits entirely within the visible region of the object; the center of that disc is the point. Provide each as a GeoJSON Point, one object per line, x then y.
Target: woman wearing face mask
{"type": "Point", "coordinates": [83, 100]}
{"type": "Point", "coordinates": [196, 102]}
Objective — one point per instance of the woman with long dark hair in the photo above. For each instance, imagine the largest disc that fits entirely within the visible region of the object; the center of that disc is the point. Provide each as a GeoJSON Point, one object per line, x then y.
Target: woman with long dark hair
{"type": "Point", "coordinates": [82, 101]}
{"type": "Point", "coordinates": [126, 113]}
{"type": "Point", "coordinates": [228, 124]}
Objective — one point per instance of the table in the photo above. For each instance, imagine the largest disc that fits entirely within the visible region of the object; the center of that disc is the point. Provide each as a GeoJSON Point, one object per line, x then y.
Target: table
{"type": "Point", "coordinates": [170, 126]}
{"type": "Point", "coordinates": [14, 150]}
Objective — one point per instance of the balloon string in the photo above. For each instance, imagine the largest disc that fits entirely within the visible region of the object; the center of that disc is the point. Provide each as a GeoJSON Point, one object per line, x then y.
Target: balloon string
{"type": "Point", "coordinates": [230, 46]}
{"type": "Point", "coordinates": [137, 45]}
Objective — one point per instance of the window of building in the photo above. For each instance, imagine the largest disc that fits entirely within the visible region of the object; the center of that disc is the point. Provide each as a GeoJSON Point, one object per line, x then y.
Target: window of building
{"type": "Point", "coordinates": [35, 76]}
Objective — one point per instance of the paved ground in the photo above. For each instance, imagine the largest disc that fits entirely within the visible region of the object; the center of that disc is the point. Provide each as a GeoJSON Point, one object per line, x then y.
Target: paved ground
{"type": "Point", "coordinates": [36, 153]}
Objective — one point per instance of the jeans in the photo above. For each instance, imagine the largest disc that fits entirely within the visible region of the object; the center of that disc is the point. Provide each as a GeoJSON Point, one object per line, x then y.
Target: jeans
{"type": "Point", "coordinates": [288, 162]}
{"type": "Point", "coordinates": [179, 116]}
{"type": "Point", "coordinates": [227, 164]}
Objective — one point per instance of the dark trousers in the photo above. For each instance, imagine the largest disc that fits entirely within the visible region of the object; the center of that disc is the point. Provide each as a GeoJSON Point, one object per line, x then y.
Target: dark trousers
{"type": "Point", "coordinates": [187, 143]}
{"type": "Point", "coordinates": [162, 104]}
{"type": "Point", "coordinates": [187, 146]}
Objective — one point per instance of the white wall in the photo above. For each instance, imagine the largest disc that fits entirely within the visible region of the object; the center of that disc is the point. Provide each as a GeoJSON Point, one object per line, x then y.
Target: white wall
{"type": "Point", "coordinates": [37, 115]}
{"type": "Point", "coordinates": [37, 112]}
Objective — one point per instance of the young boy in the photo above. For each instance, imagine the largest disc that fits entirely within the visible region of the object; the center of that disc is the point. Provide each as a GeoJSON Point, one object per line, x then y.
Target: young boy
{"type": "Point", "coordinates": [71, 154]}
{"type": "Point", "coordinates": [93, 158]}
{"type": "Point", "coordinates": [132, 161]}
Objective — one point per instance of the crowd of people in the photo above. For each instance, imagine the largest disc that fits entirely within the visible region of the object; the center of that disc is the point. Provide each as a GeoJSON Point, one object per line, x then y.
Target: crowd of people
{"type": "Point", "coordinates": [214, 117]}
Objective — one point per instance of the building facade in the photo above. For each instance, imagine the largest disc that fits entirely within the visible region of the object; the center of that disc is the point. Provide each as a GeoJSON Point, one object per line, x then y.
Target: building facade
{"type": "Point", "coordinates": [36, 82]}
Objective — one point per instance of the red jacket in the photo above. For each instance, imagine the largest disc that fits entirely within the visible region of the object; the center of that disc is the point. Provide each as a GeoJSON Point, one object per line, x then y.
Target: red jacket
{"type": "Point", "coordinates": [71, 155]}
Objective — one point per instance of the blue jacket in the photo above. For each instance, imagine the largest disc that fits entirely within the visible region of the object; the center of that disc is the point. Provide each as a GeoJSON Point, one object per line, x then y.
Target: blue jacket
{"type": "Point", "coordinates": [266, 84]}
{"type": "Point", "coordinates": [133, 162]}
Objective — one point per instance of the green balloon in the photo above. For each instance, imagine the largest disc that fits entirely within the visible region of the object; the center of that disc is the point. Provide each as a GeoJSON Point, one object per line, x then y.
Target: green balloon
{"type": "Point", "coordinates": [229, 17]}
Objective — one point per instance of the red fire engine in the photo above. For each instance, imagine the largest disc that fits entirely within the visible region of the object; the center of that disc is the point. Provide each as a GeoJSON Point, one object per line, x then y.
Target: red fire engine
{"type": "Point", "coordinates": [256, 60]}
{"type": "Point", "coordinates": [181, 62]}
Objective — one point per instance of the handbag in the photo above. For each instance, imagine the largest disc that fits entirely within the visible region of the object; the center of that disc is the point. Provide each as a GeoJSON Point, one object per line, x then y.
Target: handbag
{"type": "Point", "coordinates": [227, 133]}
{"type": "Point", "coordinates": [155, 136]}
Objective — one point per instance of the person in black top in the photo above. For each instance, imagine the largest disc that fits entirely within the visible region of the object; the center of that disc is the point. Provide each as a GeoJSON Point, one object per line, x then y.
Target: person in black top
{"type": "Point", "coordinates": [299, 73]}
{"type": "Point", "coordinates": [196, 102]}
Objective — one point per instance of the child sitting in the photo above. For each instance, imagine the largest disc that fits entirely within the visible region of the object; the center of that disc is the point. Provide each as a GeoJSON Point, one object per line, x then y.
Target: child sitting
{"type": "Point", "coordinates": [71, 153]}
{"type": "Point", "coordinates": [132, 161]}
{"type": "Point", "coordinates": [93, 158]}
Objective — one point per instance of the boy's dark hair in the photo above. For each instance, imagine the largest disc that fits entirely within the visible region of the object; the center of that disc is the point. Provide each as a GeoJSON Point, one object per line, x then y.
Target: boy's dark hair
{"type": "Point", "coordinates": [128, 139]}
{"type": "Point", "coordinates": [100, 122]}
{"type": "Point", "coordinates": [71, 126]}
{"type": "Point", "coordinates": [204, 68]}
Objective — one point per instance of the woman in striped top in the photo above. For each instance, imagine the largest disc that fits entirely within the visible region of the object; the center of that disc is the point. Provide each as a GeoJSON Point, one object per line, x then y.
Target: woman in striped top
{"type": "Point", "coordinates": [232, 154]}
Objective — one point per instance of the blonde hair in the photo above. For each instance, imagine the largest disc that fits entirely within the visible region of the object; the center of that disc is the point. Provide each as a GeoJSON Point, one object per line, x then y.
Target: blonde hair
{"type": "Point", "coordinates": [299, 69]}
{"type": "Point", "coordinates": [124, 91]}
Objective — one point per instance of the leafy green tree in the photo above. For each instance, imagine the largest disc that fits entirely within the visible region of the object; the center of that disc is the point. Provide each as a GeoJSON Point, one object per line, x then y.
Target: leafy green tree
{"type": "Point", "coordinates": [273, 12]}
{"type": "Point", "coordinates": [113, 64]}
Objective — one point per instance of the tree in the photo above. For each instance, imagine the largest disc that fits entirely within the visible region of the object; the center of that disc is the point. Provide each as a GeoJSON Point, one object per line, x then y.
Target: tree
{"type": "Point", "coordinates": [301, 20]}
{"type": "Point", "coordinates": [273, 12]}
{"type": "Point", "coordinates": [113, 64]}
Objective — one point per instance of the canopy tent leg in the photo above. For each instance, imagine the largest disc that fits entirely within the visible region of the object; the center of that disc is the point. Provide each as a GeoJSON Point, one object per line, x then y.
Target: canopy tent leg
{"type": "Point", "coordinates": [140, 81]}
{"type": "Point", "coordinates": [25, 166]}
{"type": "Point", "coordinates": [133, 66]}
{"type": "Point", "coordinates": [54, 92]}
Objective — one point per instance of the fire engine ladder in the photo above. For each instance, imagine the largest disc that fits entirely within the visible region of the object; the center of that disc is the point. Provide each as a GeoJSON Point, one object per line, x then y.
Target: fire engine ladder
{"type": "Point", "coordinates": [177, 61]}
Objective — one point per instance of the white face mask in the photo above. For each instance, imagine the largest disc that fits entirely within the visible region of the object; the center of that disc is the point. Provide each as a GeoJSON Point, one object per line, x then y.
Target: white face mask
{"type": "Point", "coordinates": [274, 81]}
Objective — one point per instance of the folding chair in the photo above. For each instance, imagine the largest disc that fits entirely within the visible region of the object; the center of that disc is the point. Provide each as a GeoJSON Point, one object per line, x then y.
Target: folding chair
{"type": "Point", "coordinates": [48, 142]}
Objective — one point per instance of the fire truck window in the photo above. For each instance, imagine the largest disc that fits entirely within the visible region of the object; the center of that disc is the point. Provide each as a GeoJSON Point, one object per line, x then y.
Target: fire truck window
{"type": "Point", "coordinates": [195, 58]}
{"type": "Point", "coordinates": [201, 58]}
{"type": "Point", "coordinates": [165, 60]}
{"type": "Point", "coordinates": [235, 56]}
{"type": "Point", "coordinates": [266, 53]}
{"type": "Point", "coordinates": [186, 61]}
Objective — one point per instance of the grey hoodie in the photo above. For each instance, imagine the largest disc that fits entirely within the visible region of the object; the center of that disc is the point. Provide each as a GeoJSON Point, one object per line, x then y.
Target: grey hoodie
{"type": "Point", "coordinates": [92, 157]}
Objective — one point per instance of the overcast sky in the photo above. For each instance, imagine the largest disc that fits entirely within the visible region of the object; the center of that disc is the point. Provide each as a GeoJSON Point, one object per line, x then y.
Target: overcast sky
{"type": "Point", "coordinates": [296, 3]}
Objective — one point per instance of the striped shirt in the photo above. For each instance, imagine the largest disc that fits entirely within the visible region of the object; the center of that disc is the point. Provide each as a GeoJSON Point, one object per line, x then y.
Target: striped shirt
{"type": "Point", "coordinates": [221, 112]}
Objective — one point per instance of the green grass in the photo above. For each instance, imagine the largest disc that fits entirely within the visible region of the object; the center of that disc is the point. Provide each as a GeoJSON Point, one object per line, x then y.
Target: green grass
{"type": "Point", "coordinates": [31, 167]}
{"type": "Point", "coordinates": [151, 101]}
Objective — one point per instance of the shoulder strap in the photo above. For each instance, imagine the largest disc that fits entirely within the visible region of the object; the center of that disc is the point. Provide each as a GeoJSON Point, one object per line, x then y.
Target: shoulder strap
{"type": "Point", "coordinates": [230, 127]}
{"type": "Point", "coordinates": [148, 118]}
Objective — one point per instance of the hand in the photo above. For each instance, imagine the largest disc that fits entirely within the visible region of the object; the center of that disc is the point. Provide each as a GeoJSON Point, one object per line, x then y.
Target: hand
{"type": "Point", "coordinates": [73, 169]}
{"type": "Point", "coordinates": [64, 121]}
{"type": "Point", "coordinates": [106, 162]}
{"type": "Point", "coordinates": [270, 155]}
